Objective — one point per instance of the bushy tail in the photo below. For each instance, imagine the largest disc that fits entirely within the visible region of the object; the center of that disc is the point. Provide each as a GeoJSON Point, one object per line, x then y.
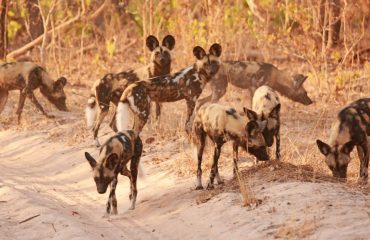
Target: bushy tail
{"type": "Point", "coordinates": [122, 117]}
{"type": "Point", "coordinates": [91, 112]}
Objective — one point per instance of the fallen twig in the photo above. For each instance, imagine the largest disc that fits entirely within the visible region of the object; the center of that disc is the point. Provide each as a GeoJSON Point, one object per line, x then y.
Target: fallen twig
{"type": "Point", "coordinates": [30, 218]}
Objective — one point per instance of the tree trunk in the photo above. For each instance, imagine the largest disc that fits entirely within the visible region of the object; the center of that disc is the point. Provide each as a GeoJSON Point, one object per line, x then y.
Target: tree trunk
{"type": "Point", "coordinates": [35, 20]}
{"type": "Point", "coordinates": [331, 10]}
{"type": "Point", "coordinates": [334, 23]}
{"type": "Point", "coordinates": [3, 28]}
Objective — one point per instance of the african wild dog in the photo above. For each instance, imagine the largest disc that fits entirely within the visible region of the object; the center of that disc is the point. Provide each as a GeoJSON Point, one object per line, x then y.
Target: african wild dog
{"type": "Point", "coordinates": [221, 124]}
{"type": "Point", "coordinates": [251, 75]}
{"type": "Point", "coordinates": [110, 87]}
{"type": "Point", "coordinates": [352, 128]}
{"type": "Point", "coordinates": [113, 157]}
{"type": "Point", "coordinates": [266, 106]}
{"type": "Point", "coordinates": [26, 77]}
{"type": "Point", "coordinates": [186, 84]}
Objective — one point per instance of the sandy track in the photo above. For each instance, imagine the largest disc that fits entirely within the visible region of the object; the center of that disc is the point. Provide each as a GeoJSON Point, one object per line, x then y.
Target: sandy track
{"type": "Point", "coordinates": [40, 176]}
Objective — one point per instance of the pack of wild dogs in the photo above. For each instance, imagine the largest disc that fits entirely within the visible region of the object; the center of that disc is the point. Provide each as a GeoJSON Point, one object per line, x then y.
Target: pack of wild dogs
{"type": "Point", "coordinates": [133, 91]}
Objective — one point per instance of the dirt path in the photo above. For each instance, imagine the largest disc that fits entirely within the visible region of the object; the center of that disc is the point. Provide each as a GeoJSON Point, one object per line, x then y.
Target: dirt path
{"type": "Point", "coordinates": [52, 180]}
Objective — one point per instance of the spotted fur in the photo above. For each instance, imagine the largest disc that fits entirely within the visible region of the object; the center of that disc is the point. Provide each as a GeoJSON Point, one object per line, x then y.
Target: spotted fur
{"type": "Point", "coordinates": [266, 105]}
{"type": "Point", "coordinates": [221, 124]}
{"type": "Point", "coordinates": [110, 87]}
{"type": "Point", "coordinates": [352, 128]}
{"type": "Point", "coordinates": [251, 75]}
{"type": "Point", "coordinates": [114, 155]}
{"type": "Point", "coordinates": [26, 77]}
{"type": "Point", "coordinates": [186, 84]}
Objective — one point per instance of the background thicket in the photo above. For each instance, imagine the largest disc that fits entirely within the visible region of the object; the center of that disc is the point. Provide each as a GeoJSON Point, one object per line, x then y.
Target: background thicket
{"type": "Point", "coordinates": [328, 39]}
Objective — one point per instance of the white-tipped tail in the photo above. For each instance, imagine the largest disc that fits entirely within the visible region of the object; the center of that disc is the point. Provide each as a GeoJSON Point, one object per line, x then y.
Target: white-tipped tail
{"type": "Point", "coordinates": [122, 117]}
{"type": "Point", "coordinates": [90, 112]}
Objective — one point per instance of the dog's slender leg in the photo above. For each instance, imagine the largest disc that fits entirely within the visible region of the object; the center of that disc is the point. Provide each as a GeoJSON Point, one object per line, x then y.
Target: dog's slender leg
{"type": "Point", "coordinates": [101, 115]}
{"type": "Point", "coordinates": [22, 99]}
{"type": "Point", "coordinates": [363, 152]}
{"type": "Point", "coordinates": [277, 136]}
{"type": "Point", "coordinates": [113, 122]}
{"type": "Point", "coordinates": [189, 118]}
{"type": "Point", "coordinates": [3, 98]}
{"type": "Point", "coordinates": [38, 106]}
{"type": "Point", "coordinates": [235, 159]}
{"type": "Point", "coordinates": [157, 111]}
{"type": "Point", "coordinates": [112, 200]}
{"type": "Point", "coordinates": [218, 177]}
{"type": "Point", "coordinates": [133, 180]}
{"type": "Point", "coordinates": [216, 156]}
{"type": "Point", "coordinates": [134, 166]}
{"type": "Point", "coordinates": [201, 135]}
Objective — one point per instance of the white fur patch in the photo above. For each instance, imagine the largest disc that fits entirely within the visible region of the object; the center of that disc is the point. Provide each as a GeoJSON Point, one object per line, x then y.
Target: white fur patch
{"type": "Point", "coordinates": [182, 74]}
{"type": "Point", "coordinates": [261, 104]}
{"type": "Point", "coordinates": [122, 117]}
{"type": "Point", "coordinates": [90, 113]}
{"type": "Point", "coordinates": [132, 104]}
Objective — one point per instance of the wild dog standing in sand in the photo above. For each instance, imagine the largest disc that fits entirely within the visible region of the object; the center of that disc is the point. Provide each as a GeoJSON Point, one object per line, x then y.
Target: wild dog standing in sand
{"type": "Point", "coordinates": [251, 75]}
{"type": "Point", "coordinates": [114, 155]}
{"type": "Point", "coordinates": [26, 77]}
{"type": "Point", "coordinates": [186, 84]}
{"type": "Point", "coordinates": [266, 106]}
{"type": "Point", "coordinates": [110, 87]}
{"type": "Point", "coordinates": [352, 128]}
{"type": "Point", "coordinates": [221, 124]}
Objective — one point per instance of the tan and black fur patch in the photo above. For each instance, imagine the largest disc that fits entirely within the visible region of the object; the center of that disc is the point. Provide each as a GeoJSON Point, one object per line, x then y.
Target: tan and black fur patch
{"type": "Point", "coordinates": [114, 155]}
{"type": "Point", "coordinates": [266, 104]}
{"type": "Point", "coordinates": [26, 77]}
{"type": "Point", "coordinates": [352, 128]}
{"type": "Point", "coordinates": [251, 75]}
{"type": "Point", "coordinates": [221, 124]}
{"type": "Point", "coordinates": [110, 87]}
{"type": "Point", "coordinates": [186, 84]}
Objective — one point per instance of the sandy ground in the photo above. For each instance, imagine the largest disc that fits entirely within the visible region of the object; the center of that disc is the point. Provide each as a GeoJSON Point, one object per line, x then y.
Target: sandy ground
{"type": "Point", "coordinates": [43, 173]}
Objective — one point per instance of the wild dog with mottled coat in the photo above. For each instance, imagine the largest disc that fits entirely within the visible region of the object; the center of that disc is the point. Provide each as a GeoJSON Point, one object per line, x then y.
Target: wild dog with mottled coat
{"type": "Point", "coordinates": [251, 75]}
{"type": "Point", "coordinates": [26, 77]}
{"type": "Point", "coordinates": [110, 87]}
{"type": "Point", "coordinates": [186, 84]}
{"type": "Point", "coordinates": [114, 155]}
{"type": "Point", "coordinates": [351, 128]}
{"type": "Point", "coordinates": [221, 124]}
{"type": "Point", "coordinates": [266, 107]}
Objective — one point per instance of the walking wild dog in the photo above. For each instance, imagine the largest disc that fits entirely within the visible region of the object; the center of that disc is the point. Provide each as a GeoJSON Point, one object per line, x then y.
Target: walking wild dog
{"type": "Point", "coordinates": [114, 155]}
{"type": "Point", "coordinates": [186, 84]}
{"type": "Point", "coordinates": [110, 87]}
{"type": "Point", "coordinates": [352, 128]}
{"type": "Point", "coordinates": [26, 77]}
{"type": "Point", "coordinates": [266, 106]}
{"type": "Point", "coordinates": [251, 75]}
{"type": "Point", "coordinates": [221, 124]}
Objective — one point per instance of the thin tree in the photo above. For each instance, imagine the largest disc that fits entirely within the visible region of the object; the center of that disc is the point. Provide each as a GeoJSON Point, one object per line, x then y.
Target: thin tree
{"type": "Point", "coordinates": [36, 26]}
{"type": "Point", "coordinates": [3, 29]}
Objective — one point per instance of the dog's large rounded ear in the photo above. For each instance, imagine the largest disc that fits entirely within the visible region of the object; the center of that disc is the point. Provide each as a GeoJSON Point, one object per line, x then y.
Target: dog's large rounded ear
{"type": "Point", "coordinates": [299, 80]}
{"type": "Point", "coordinates": [61, 81]}
{"type": "Point", "coordinates": [90, 159]}
{"type": "Point", "coordinates": [252, 128]}
{"type": "Point", "coordinates": [168, 42]}
{"type": "Point", "coordinates": [199, 52]}
{"type": "Point", "coordinates": [323, 147]}
{"type": "Point", "coordinates": [252, 115]}
{"type": "Point", "coordinates": [112, 161]}
{"type": "Point", "coordinates": [215, 50]}
{"type": "Point", "coordinates": [347, 148]}
{"type": "Point", "coordinates": [275, 112]}
{"type": "Point", "coordinates": [152, 42]}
